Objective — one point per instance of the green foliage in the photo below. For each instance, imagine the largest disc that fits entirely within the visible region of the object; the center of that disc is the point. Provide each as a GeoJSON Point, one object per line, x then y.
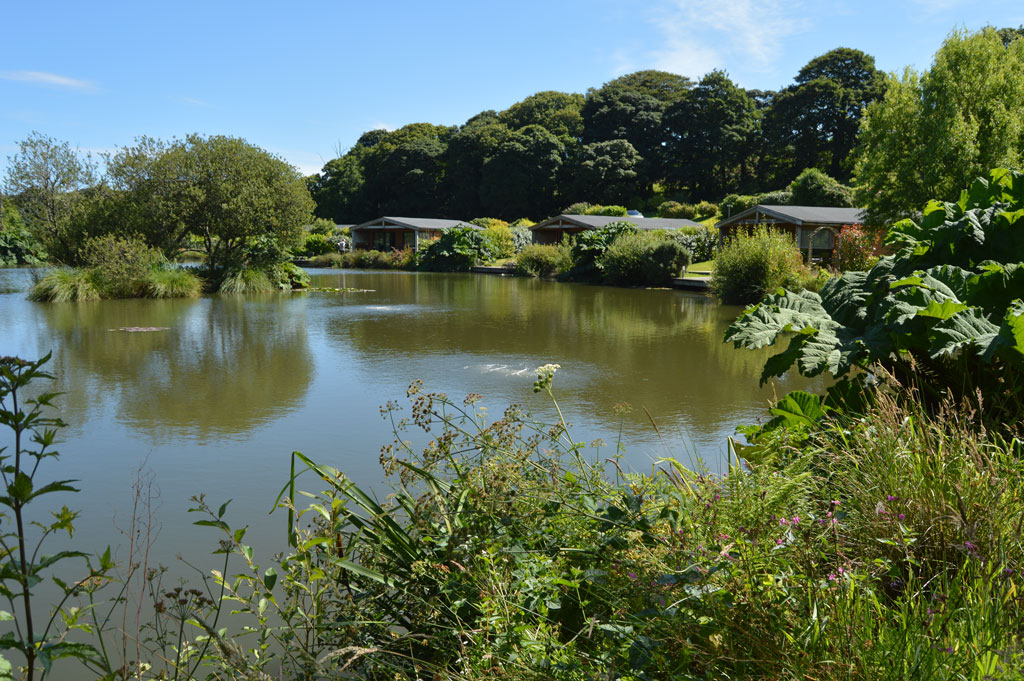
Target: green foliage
{"type": "Point", "coordinates": [65, 285]}
{"type": "Point", "coordinates": [607, 171]}
{"type": "Point", "coordinates": [947, 305]}
{"type": "Point", "coordinates": [674, 209]}
{"type": "Point", "coordinates": [457, 250]}
{"type": "Point", "coordinates": [557, 112]}
{"type": "Point", "coordinates": [814, 122]}
{"type": "Point", "coordinates": [779, 197]}
{"type": "Point", "coordinates": [322, 226]}
{"type": "Point", "coordinates": [521, 234]}
{"type": "Point", "coordinates": [540, 260]}
{"type": "Point", "coordinates": [700, 242]}
{"type": "Point", "coordinates": [500, 241]}
{"type": "Point", "coordinates": [578, 208]}
{"type": "Point", "coordinates": [709, 135]}
{"type": "Point", "coordinates": [705, 209]}
{"type": "Point", "coordinates": [327, 260]}
{"type": "Point", "coordinates": [119, 264]}
{"type": "Point", "coordinates": [590, 245]}
{"type": "Point", "coordinates": [290, 276]}
{"type": "Point", "coordinates": [814, 188]}
{"type": "Point", "coordinates": [752, 263]}
{"type": "Point", "coordinates": [934, 133]}
{"type": "Point", "coordinates": [17, 245]}
{"type": "Point", "coordinates": [48, 179]}
{"type": "Point", "coordinates": [247, 280]}
{"type": "Point", "coordinates": [611, 211]}
{"type": "Point", "coordinates": [240, 206]}
{"type": "Point", "coordinates": [643, 259]}
{"type": "Point", "coordinates": [316, 244]}
{"type": "Point", "coordinates": [393, 259]}
{"type": "Point", "coordinates": [170, 282]}
{"type": "Point", "coordinates": [41, 640]}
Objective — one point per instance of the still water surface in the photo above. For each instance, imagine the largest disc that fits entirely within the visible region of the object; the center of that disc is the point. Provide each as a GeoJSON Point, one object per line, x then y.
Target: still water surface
{"type": "Point", "coordinates": [215, 403]}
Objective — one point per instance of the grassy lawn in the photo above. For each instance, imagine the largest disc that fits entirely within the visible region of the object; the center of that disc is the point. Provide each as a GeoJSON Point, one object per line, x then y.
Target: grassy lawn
{"type": "Point", "coordinates": [699, 269]}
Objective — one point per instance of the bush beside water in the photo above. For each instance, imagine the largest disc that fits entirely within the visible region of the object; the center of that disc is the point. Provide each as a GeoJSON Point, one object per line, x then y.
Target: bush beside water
{"type": "Point", "coordinates": [754, 263]}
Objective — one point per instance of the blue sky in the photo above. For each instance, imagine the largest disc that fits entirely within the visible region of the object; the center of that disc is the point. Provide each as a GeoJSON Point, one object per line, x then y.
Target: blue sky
{"type": "Point", "coordinates": [306, 79]}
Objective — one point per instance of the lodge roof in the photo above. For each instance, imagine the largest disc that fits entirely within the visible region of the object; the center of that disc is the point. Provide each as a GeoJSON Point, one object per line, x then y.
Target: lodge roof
{"type": "Point", "coordinates": [598, 221]}
{"type": "Point", "coordinates": [799, 215]}
{"type": "Point", "coordinates": [418, 224]}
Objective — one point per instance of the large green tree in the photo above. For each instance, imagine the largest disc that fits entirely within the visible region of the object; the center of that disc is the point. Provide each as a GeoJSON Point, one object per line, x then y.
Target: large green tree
{"type": "Point", "coordinates": [816, 119]}
{"type": "Point", "coordinates": [468, 151]}
{"type": "Point", "coordinates": [709, 137]}
{"type": "Point", "coordinates": [623, 113]}
{"type": "Point", "coordinates": [520, 180]}
{"type": "Point", "coordinates": [48, 181]}
{"type": "Point", "coordinates": [605, 173]}
{"type": "Point", "coordinates": [230, 200]}
{"type": "Point", "coordinates": [933, 133]}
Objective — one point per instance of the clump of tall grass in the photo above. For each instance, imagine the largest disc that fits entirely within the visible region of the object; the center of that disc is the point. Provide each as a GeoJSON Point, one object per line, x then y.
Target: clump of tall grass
{"type": "Point", "coordinates": [247, 280]}
{"type": "Point", "coordinates": [171, 282]}
{"type": "Point", "coordinates": [65, 285]}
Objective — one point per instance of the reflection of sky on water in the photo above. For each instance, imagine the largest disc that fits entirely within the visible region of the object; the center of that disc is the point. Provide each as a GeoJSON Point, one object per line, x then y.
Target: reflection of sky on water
{"type": "Point", "coordinates": [217, 402]}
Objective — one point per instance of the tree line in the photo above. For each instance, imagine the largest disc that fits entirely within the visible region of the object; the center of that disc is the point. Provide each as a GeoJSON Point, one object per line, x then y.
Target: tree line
{"type": "Point", "coordinates": [622, 143]}
{"type": "Point", "coordinates": [652, 136]}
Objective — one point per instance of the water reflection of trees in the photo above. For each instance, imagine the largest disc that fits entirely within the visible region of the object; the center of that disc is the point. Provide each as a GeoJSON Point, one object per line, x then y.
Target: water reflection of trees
{"type": "Point", "coordinates": [660, 349]}
{"type": "Point", "coordinates": [222, 366]}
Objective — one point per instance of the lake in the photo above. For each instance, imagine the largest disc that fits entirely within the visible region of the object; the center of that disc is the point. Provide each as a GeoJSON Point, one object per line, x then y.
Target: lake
{"type": "Point", "coordinates": [216, 402]}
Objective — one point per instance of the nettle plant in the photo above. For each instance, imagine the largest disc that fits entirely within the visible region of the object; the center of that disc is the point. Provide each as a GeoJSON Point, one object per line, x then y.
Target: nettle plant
{"type": "Point", "coordinates": [944, 312]}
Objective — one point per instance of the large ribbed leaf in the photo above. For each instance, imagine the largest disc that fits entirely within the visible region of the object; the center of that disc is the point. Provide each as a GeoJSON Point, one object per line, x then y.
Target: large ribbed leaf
{"type": "Point", "coordinates": [966, 329]}
{"type": "Point", "coordinates": [761, 324]}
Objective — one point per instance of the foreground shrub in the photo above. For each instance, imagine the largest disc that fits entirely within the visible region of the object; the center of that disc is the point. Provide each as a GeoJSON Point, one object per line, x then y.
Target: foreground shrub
{"type": "Point", "coordinates": [948, 306]}
{"type": "Point", "coordinates": [643, 259]}
{"type": "Point", "coordinates": [404, 259]}
{"type": "Point", "coordinates": [65, 285]}
{"type": "Point", "coordinates": [537, 260]}
{"type": "Point", "coordinates": [753, 263]}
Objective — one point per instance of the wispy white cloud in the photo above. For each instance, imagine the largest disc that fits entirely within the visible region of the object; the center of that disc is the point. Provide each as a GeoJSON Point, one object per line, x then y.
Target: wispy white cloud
{"type": "Point", "coordinates": [194, 101]}
{"type": "Point", "coordinates": [49, 79]}
{"type": "Point", "coordinates": [380, 125]}
{"type": "Point", "coordinates": [700, 35]}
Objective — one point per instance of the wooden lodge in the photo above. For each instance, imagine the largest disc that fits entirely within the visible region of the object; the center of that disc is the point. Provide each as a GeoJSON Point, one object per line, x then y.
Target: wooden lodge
{"type": "Point", "coordinates": [800, 222]}
{"type": "Point", "coordinates": [553, 229]}
{"type": "Point", "coordinates": [386, 233]}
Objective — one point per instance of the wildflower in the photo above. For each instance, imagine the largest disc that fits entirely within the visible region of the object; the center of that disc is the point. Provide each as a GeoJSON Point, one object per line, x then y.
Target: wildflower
{"type": "Point", "coordinates": [779, 541]}
{"type": "Point", "coordinates": [901, 516]}
{"type": "Point", "coordinates": [783, 521]}
{"type": "Point", "coordinates": [631, 575]}
{"type": "Point", "coordinates": [889, 497]}
{"type": "Point", "coordinates": [832, 577]}
{"type": "Point", "coordinates": [545, 374]}
{"type": "Point", "coordinates": [796, 520]}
